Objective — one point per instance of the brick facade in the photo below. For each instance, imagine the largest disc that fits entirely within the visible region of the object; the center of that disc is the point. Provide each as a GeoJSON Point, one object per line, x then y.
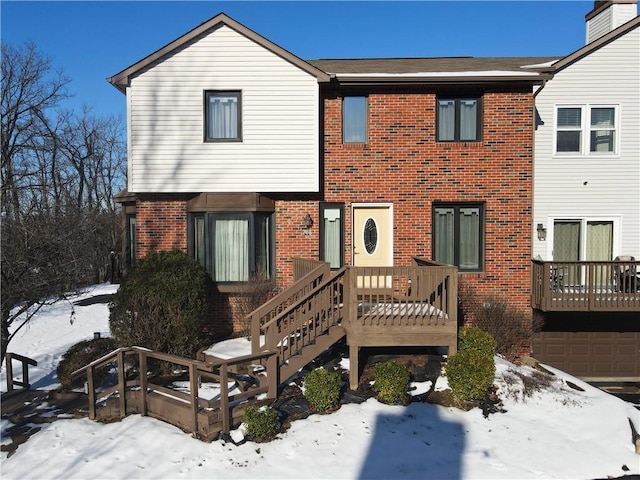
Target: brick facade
{"type": "Point", "coordinates": [161, 223]}
{"type": "Point", "coordinates": [403, 164]}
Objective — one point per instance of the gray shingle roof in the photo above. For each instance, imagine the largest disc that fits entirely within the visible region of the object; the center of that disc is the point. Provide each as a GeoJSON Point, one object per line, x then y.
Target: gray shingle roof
{"type": "Point", "coordinates": [395, 66]}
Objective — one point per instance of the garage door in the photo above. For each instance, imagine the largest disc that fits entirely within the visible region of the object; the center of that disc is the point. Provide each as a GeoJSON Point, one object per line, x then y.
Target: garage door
{"type": "Point", "coordinates": [591, 355]}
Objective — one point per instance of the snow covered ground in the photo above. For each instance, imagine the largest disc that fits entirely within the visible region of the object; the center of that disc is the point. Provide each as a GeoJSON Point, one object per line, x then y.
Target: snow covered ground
{"type": "Point", "coordinates": [559, 432]}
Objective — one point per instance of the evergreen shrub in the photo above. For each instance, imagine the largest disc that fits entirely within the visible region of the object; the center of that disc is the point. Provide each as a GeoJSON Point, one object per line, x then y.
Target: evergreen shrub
{"type": "Point", "coordinates": [261, 423]}
{"type": "Point", "coordinates": [80, 355]}
{"type": "Point", "coordinates": [161, 305]}
{"type": "Point", "coordinates": [470, 373]}
{"type": "Point", "coordinates": [391, 382]}
{"type": "Point", "coordinates": [322, 389]}
{"type": "Point", "coordinates": [474, 338]}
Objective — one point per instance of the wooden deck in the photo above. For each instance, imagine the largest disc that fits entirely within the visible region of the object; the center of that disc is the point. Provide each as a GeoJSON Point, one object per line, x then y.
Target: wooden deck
{"type": "Point", "coordinates": [370, 306]}
{"type": "Point", "coordinates": [585, 286]}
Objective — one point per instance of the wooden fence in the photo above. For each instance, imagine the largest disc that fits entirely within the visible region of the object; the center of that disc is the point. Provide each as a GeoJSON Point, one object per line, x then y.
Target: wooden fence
{"type": "Point", "coordinates": [137, 392]}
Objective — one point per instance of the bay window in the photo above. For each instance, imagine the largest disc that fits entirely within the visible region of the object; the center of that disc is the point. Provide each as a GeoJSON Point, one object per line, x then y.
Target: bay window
{"type": "Point", "coordinates": [233, 246]}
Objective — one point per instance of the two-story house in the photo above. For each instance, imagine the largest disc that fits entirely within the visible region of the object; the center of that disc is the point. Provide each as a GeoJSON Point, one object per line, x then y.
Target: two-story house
{"type": "Point", "coordinates": [247, 156]}
{"type": "Point", "coordinates": [587, 200]}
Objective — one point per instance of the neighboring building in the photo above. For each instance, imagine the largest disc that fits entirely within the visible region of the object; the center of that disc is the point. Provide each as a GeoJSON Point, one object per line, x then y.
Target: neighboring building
{"type": "Point", "coordinates": [587, 195]}
{"type": "Point", "coordinates": [247, 156]}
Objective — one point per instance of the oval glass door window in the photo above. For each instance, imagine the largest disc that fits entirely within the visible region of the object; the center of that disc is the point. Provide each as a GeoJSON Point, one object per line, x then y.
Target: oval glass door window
{"type": "Point", "coordinates": [370, 236]}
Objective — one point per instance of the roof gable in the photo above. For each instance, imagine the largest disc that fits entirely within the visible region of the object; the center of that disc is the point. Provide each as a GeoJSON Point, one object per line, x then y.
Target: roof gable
{"type": "Point", "coordinates": [121, 80]}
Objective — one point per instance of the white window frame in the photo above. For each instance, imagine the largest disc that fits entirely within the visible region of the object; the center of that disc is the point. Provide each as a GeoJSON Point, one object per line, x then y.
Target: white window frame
{"type": "Point", "coordinates": [585, 130]}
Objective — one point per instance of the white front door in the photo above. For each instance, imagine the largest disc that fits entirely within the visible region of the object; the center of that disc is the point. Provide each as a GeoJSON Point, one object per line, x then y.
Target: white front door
{"type": "Point", "coordinates": [372, 235]}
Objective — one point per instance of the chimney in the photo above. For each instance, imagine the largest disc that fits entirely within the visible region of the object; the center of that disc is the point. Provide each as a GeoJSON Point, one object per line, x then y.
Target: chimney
{"type": "Point", "coordinates": [608, 15]}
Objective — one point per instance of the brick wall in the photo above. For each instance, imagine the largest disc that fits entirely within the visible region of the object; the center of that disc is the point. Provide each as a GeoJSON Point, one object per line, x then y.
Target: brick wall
{"type": "Point", "coordinates": [404, 165]}
{"type": "Point", "coordinates": [401, 164]}
{"type": "Point", "coordinates": [161, 223]}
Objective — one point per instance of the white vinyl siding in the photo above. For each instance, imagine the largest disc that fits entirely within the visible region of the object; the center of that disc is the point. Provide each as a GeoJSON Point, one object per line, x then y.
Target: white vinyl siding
{"type": "Point", "coordinates": [279, 145]}
{"type": "Point", "coordinates": [609, 19]}
{"type": "Point", "coordinates": [600, 185]}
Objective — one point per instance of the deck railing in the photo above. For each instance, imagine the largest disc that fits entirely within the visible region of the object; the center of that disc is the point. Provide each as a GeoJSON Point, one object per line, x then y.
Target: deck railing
{"type": "Point", "coordinates": [397, 296]}
{"type": "Point", "coordinates": [25, 362]}
{"type": "Point", "coordinates": [585, 286]}
{"type": "Point", "coordinates": [309, 275]}
{"type": "Point", "coordinates": [304, 320]}
{"type": "Point", "coordinates": [192, 415]}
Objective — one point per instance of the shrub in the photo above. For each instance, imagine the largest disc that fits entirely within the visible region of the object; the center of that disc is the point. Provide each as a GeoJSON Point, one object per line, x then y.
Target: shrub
{"type": "Point", "coordinates": [322, 389]}
{"type": "Point", "coordinates": [509, 325]}
{"type": "Point", "coordinates": [470, 373]}
{"type": "Point", "coordinates": [474, 338]}
{"type": "Point", "coordinates": [261, 423]}
{"type": "Point", "coordinates": [253, 295]}
{"type": "Point", "coordinates": [80, 355]}
{"type": "Point", "coordinates": [391, 382]}
{"type": "Point", "coordinates": [161, 305]}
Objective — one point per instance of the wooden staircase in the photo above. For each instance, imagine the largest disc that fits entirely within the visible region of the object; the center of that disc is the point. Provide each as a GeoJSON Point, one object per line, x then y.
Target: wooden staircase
{"type": "Point", "coordinates": [370, 306]}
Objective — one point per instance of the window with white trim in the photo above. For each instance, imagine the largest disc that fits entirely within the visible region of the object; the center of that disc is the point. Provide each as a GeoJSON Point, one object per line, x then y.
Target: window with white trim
{"type": "Point", "coordinates": [586, 129]}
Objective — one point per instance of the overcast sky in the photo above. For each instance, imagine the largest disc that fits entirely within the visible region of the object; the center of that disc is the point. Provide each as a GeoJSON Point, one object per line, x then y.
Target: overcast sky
{"type": "Point", "coordinates": [92, 40]}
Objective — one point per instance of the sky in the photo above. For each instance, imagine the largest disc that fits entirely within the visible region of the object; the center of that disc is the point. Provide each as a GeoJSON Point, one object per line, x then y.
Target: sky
{"type": "Point", "coordinates": [93, 40]}
{"type": "Point", "coordinates": [557, 432]}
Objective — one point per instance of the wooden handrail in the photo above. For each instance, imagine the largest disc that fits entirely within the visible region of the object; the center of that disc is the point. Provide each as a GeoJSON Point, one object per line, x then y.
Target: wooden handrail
{"type": "Point", "coordinates": [25, 361]}
{"type": "Point", "coordinates": [278, 303]}
{"type": "Point", "coordinates": [302, 300]}
{"type": "Point", "coordinates": [585, 285]}
{"type": "Point", "coordinates": [196, 368]}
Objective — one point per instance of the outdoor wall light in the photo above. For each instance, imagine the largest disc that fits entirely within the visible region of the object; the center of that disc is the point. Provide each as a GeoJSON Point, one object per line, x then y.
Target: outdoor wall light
{"type": "Point", "coordinates": [307, 221]}
{"type": "Point", "coordinates": [542, 232]}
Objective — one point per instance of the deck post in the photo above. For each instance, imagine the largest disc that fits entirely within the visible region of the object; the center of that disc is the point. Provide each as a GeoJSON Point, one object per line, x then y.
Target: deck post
{"type": "Point", "coordinates": [143, 382]}
{"type": "Point", "coordinates": [91, 391]}
{"type": "Point", "coordinates": [354, 366]}
{"type": "Point", "coordinates": [273, 376]}
{"type": "Point", "coordinates": [193, 387]}
{"type": "Point", "coordinates": [122, 385]}
{"type": "Point", "coordinates": [8, 363]}
{"type": "Point", "coordinates": [224, 398]}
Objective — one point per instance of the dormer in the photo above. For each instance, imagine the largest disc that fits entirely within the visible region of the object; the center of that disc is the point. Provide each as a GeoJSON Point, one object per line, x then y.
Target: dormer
{"type": "Point", "coordinates": [608, 15]}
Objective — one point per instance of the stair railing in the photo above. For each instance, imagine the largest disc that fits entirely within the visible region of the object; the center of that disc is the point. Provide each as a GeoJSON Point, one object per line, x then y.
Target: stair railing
{"type": "Point", "coordinates": [25, 362]}
{"type": "Point", "coordinates": [272, 308]}
{"type": "Point", "coordinates": [304, 320]}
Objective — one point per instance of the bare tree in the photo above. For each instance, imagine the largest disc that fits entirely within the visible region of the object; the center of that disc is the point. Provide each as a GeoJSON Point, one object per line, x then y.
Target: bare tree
{"type": "Point", "coordinates": [60, 171]}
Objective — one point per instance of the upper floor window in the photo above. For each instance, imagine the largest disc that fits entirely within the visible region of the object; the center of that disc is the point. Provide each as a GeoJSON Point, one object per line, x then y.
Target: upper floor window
{"type": "Point", "coordinates": [354, 119]}
{"type": "Point", "coordinates": [458, 235]}
{"type": "Point", "coordinates": [222, 115]}
{"type": "Point", "coordinates": [459, 120]}
{"type": "Point", "coordinates": [586, 129]}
